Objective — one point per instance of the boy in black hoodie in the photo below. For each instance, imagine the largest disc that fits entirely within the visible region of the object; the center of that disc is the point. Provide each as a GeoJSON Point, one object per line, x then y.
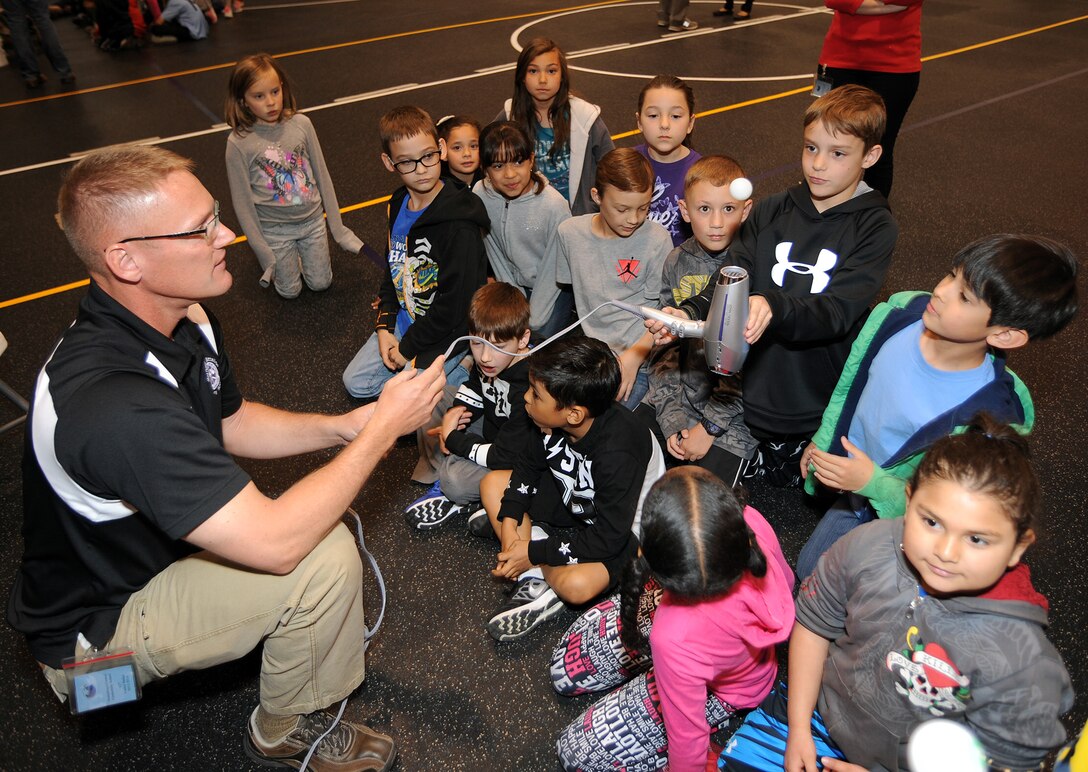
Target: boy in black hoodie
{"type": "Point", "coordinates": [816, 255]}
{"type": "Point", "coordinates": [436, 259]}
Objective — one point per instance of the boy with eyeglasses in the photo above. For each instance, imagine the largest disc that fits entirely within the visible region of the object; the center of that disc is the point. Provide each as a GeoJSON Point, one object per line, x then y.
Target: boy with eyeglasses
{"type": "Point", "coordinates": [436, 259]}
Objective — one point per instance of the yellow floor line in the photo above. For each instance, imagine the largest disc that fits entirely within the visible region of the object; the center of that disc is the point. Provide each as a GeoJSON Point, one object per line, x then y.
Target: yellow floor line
{"type": "Point", "coordinates": [318, 49]}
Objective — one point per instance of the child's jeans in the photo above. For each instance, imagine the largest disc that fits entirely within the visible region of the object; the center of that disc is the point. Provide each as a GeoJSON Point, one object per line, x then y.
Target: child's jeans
{"type": "Point", "coordinates": [639, 388]}
{"type": "Point", "coordinates": [366, 374]}
{"type": "Point", "coordinates": [848, 512]}
{"type": "Point", "coordinates": [302, 252]}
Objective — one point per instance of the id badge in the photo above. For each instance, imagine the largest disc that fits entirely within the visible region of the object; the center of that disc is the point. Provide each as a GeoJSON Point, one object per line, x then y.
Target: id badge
{"type": "Point", "coordinates": [822, 85]}
{"type": "Point", "coordinates": [101, 682]}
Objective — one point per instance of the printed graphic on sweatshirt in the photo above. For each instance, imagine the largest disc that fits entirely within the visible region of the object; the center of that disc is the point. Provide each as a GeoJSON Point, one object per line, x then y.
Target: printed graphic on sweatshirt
{"type": "Point", "coordinates": [556, 170]}
{"type": "Point", "coordinates": [574, 473]}
{"type": "Point", "coordinates": [497, 392]}
{"type": "Point", "coordinates": [690, 286]}
{"type": "Point", "coordinates": [289, 177]}
{"type": "Point", "coordinates": [415, 278]}
{"type": "Point", "coordinates": [626, 270]}
{"type": "Point", "coordinates": [494, 390]}
{"type": "Point", "coordinates": [928, 677]}
{"type": "Point", "coordinates": [665, 208]}
{"type": "Point", "coordinates": [819, 272]}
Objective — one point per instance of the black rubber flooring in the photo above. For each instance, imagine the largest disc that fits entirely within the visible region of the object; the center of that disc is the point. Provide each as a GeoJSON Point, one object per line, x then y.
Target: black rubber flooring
{"type": "Point", "coordinates": [995, 141]}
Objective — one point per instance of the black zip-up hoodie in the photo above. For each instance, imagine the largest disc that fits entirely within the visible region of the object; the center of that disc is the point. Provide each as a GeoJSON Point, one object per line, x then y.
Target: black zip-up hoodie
{"type": "Point", "coordinates": [819, 272]}
{"type": "Point", "coordinates": [445, 265]}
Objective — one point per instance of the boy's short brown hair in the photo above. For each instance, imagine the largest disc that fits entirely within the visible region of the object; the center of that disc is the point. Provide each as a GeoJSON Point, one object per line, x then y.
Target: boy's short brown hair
{"type": "Point", "coordinates": [851, 109]}
{"type": "Point", "coordinates": [403, 122]}
{"type": "Point", "coordinates": [718, 170]}
{"type": "Point", "coordinates": [498, 312]}
{"type": "Point", "coordinates": [626, 170]}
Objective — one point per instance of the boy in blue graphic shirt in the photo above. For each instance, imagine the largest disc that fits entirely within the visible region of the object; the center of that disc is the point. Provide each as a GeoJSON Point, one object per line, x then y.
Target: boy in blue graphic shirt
{"type": "Point", "coordinates": [436, 259]}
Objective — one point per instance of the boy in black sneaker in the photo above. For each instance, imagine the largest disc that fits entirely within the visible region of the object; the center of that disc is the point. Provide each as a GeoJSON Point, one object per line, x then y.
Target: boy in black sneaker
{"type": "Point", "coordinates": [567, 515]}
{"type": "Point", "coordinates": [481, 425]}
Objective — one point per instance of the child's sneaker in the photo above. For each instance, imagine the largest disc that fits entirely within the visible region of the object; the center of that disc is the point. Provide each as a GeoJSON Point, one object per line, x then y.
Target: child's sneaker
{"type": "Point", "coordinates": [431, 509]}
{"type": "Point", "coordinates": [532, 601]}
{"type": "Point", "coordinates": [479, 524]}
{"type": "Point", "coordinates": [347, 747]}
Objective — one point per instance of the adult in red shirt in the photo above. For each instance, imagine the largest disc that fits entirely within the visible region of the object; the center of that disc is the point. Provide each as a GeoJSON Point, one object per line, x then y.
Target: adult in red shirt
{"type": "Point", "coordinates": [876, 44]}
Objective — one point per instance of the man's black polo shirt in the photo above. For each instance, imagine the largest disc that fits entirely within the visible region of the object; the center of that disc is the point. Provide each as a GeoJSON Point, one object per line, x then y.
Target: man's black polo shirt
{"type": "Point", "coordinates": [124, 456]}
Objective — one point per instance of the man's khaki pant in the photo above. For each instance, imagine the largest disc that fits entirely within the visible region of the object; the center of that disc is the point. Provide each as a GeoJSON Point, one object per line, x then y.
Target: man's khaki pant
{"type": "Point", "coordinates": [203, 611]}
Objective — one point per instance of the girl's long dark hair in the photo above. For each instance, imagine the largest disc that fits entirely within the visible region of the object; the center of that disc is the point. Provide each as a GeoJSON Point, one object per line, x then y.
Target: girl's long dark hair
{"type": "Point", "coordinates": [695, 543]}
{"type": "Point", "coordinates": [522, 111]}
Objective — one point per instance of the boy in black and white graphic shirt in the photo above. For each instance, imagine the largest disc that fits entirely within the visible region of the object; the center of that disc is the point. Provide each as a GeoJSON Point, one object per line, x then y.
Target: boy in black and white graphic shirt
{"type": "Point", "coordinates": [481, 425]}
{"type": "Point", "coordinates": [567, 515]}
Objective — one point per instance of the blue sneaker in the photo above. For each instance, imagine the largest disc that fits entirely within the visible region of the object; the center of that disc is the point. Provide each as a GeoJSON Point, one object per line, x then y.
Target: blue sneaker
{"type": "Point", "coordinates": [431, 509]}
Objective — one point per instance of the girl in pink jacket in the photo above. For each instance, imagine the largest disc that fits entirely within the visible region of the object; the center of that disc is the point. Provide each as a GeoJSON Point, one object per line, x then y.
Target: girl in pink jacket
{"type": "Point", "coordinates": [718, 601]}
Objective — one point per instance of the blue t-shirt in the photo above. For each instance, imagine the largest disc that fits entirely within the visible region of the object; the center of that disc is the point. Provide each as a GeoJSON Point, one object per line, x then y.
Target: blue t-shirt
{"type": "Point", "coordinates": [557, 171]}
{"type": "Point", "coordinates": [904, 393]}
{"type": "Point", "coordinates": [398, 246]}
{"type": "Point", "coordinates": [668, 190]}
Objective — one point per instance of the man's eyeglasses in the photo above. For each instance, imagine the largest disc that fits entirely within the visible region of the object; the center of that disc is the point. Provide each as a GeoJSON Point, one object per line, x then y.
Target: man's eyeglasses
{"type": "Point", "coordinates": [208, 231]}
{"type": "Point", "coordinates": [428, 160]}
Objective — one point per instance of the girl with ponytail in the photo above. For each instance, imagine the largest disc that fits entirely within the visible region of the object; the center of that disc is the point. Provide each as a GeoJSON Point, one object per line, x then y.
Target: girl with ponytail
{"type": "Point", "coordinates": [714, 590]}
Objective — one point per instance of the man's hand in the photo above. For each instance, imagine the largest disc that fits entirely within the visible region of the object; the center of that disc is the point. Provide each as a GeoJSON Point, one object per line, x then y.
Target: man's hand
{"type": "Point", "coordinates": [759, 316]}
{"type": "Point", "coordinates": [839, 765]}
{"type": "Point", "coordinates": [690, 444]}
{"type": "Point", "coordinates": [662, 336]}
{"type": "Point", "coordinates": [847, 474]}
{"type": "Point", "coordinates": [513, 561]}
{"type": "Point", "coordinates": [356, 421]}
{"type": "Point", "coordinates": [389, 348]}
{"type": "Point", "coordinates": [408, 399]}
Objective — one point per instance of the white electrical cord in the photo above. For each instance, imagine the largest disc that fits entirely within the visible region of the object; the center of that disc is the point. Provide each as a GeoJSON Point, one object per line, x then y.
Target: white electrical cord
{"type": "Point", "coordinates": [368, 632]}
{"type": "Point", "coordinates": [560, 334]}
{"type": "Point", "coordinates": [371, 632]}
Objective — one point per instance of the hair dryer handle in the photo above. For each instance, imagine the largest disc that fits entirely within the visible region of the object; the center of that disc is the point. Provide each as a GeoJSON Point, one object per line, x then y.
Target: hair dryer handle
{"type": "Point", "coordinates": [677, 326]}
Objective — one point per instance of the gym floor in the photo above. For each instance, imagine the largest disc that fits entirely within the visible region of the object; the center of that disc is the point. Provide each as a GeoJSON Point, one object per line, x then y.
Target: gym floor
{"type": "Point", "coordinates": [993, 143]}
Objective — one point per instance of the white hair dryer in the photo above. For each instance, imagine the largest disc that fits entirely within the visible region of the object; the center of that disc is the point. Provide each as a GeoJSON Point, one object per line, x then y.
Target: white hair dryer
{"type": "Point", "coordinates": [723, 330]}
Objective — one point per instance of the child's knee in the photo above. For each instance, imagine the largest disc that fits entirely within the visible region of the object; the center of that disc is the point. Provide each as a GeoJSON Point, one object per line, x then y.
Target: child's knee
{"type": "Point", "coordinates": [492, 487]}
{"type": "Point", "coordinates": [579, 585]}
{"type": "Point", "coordinates": [288, 292]}
{"type": "Point", "coordinates": [319, 285]}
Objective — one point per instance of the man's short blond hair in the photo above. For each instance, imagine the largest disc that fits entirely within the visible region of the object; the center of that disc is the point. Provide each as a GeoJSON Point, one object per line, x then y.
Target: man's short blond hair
{"type": "Point", "coordinates": [111, 186]}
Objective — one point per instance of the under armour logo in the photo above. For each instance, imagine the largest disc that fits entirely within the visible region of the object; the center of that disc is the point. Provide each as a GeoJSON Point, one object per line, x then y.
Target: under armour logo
{"type": "Point", "coordinates": [825, 261]}
{"type": "Point", "coordinates": [627, 270]}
